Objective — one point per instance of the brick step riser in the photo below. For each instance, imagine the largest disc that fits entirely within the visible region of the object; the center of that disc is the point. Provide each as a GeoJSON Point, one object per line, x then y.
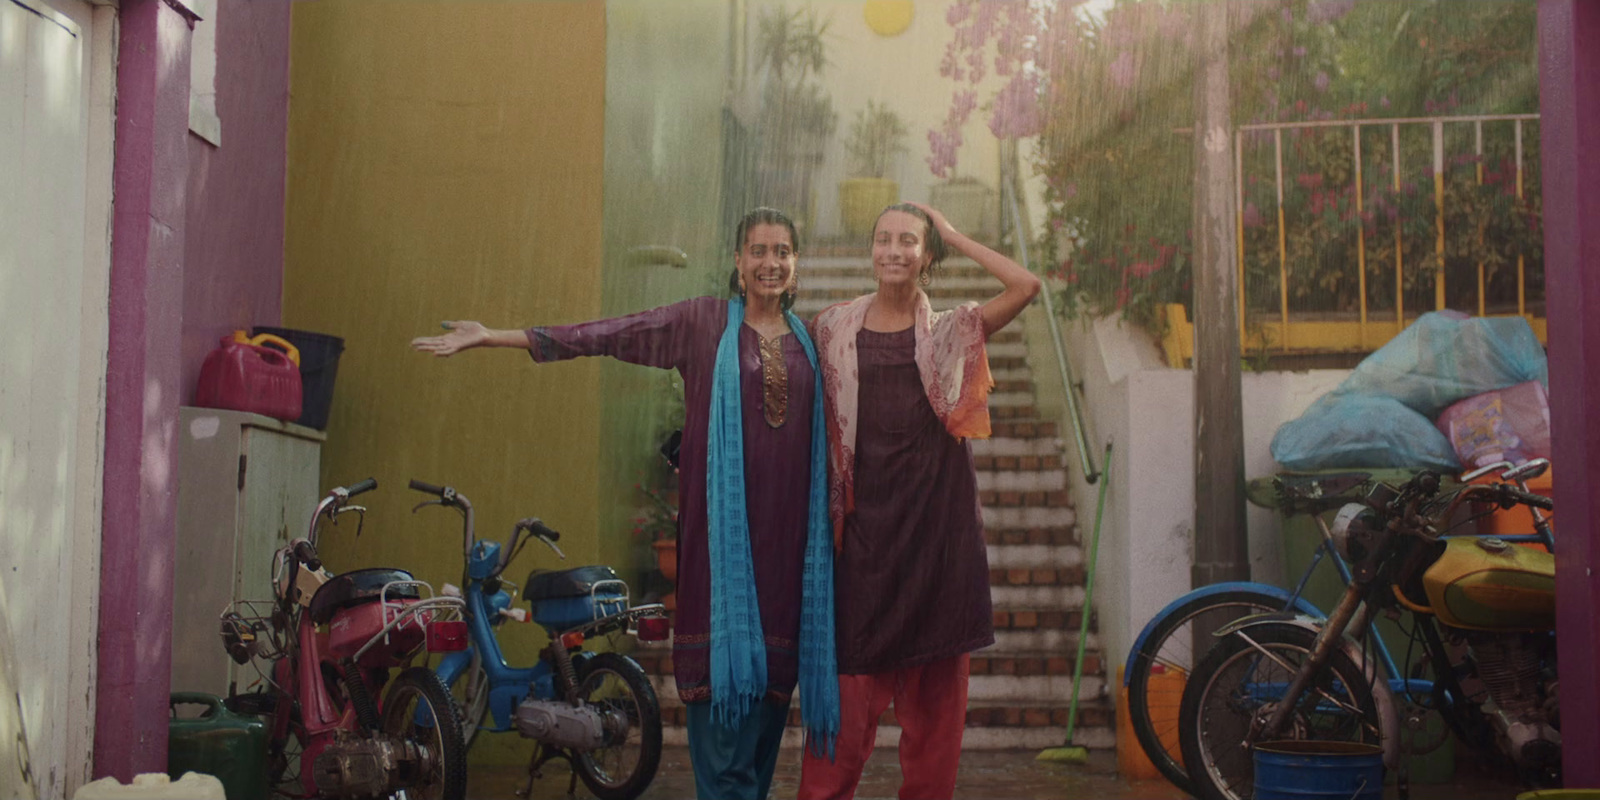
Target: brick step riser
{"type": "Point", "coordinates": [1061, 537]}
{"type": "Point", "coordinates": [1037, 499]}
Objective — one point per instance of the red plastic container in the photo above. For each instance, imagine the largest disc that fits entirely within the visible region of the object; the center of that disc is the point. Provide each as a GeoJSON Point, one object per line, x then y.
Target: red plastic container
{"type": "Point", "coordinates": [243, 375]}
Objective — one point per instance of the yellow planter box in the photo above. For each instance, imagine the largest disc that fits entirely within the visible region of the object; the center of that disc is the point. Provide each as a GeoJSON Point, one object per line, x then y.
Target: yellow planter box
{"type": "Point", "coordinates": [860, 202]}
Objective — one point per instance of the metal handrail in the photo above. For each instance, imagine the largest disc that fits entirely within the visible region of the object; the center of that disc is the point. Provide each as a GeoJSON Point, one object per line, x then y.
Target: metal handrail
{"type": "Point", "coordinates": [1020, 228]}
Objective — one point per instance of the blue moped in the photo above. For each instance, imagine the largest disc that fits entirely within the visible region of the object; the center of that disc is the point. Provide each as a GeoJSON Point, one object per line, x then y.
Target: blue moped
{"type": "Point", "coordinates": [597, 711]}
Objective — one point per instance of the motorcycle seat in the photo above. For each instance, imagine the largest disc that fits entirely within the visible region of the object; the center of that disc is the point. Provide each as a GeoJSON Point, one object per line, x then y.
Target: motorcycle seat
{"type": "Point", "coordinates": [543, 584]}
{"type": "Point", "coordinates": [359, 586]}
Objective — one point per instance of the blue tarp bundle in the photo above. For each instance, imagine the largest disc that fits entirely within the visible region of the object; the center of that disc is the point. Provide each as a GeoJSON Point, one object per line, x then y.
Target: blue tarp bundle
{"type": "Point", "coordinates": [1382, 415]}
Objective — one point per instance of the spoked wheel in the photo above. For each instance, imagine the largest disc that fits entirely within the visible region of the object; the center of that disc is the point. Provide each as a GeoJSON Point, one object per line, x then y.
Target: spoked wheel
{"type": "Point", "coordinates": [1166, 656]}
{"type": "Point", "coordinates": [1236, 686]}
{"type": "Point", "coordinates": [418, 708]}
{"type": "Point", "coordinates": [615, 686]}
{"type": "Point", "coordinates": [471, 693]}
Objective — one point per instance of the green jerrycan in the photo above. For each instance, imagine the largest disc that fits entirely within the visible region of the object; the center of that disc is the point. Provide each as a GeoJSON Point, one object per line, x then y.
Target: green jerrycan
{"type": "Point", "coordinates": [232, 747]}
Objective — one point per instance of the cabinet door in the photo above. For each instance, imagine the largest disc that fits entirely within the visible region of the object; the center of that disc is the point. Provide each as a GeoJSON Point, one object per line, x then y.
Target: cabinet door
{"type": "Point", "coordinates": [280, 492]}
{"type": "Point", "coordinates": [208, 516]}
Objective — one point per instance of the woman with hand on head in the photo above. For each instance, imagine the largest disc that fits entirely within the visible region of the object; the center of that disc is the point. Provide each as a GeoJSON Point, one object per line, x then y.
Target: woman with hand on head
{"type": "Point", "coordinates": [906, 387]}
{"type": "Point", "coordinates": [755, 561]}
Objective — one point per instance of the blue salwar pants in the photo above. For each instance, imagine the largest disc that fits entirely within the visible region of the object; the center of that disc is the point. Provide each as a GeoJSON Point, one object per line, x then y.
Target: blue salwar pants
{"type": "Point", "coordinates": [735, 763]}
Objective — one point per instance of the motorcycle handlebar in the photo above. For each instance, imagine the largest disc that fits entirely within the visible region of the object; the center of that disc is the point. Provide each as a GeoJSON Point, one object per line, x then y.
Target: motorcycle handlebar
{"type": "Point", "coordinates": [1527, 498]}
{"type": "Point", "coordinates": [307, 554]}
{"type": "Point", "coordinates": [426, 488]}
{"type": "Point", "coordinates": [536, 527]}
{"type": "Point", "coordinates": [361, 486]}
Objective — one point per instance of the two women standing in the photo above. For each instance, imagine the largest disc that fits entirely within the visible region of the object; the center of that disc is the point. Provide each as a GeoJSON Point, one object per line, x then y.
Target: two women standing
{"type": "Point", "coordinates": [776, 517]}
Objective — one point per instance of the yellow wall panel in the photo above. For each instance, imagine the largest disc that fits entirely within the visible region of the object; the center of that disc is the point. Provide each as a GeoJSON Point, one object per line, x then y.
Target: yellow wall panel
{"type": "Point", "coordinates": [446, 162]}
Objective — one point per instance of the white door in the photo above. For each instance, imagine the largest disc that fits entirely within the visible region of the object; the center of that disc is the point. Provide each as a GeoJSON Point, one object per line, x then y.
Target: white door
{"type": "Point", "coordinates": [55, 203]}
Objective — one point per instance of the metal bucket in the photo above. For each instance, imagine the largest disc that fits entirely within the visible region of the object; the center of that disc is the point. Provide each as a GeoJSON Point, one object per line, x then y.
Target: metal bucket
{"type": "Point", "coordinates": [1311, 770]}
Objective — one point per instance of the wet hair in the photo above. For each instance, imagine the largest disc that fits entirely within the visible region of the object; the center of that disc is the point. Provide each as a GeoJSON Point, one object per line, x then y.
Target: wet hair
{"type": "Point", "coordinates": [763, 216]}
{"type": "Point", "coordinates": [932, 242]}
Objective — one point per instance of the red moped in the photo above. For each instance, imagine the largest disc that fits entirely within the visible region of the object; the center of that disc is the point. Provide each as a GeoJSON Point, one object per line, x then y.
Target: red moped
{"type": "Point", "coordinates": [328, 647]}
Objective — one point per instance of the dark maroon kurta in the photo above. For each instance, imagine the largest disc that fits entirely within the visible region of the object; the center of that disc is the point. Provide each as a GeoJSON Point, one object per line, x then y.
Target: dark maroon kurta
{"type": "Point", "coordinates": [912, 582]}
{"type": "Point", "coordinates": [684, 336]}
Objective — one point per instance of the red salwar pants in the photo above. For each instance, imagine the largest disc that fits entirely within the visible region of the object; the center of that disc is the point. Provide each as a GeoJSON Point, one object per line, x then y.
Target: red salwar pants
{"type": "Point", "coordinates": [930, 703]}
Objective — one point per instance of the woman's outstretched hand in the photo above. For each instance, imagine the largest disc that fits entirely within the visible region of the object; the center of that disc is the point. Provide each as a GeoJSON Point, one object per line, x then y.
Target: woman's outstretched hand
{"type": "Point", "coordinates": [463, 335]}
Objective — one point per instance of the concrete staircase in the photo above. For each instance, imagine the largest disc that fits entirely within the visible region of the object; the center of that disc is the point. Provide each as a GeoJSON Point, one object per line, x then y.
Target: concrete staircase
{"type": "Point", "coordinates": [1021, 686]}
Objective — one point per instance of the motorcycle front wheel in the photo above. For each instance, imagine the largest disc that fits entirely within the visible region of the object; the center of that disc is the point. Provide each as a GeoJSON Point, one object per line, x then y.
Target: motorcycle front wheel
{"type": "Point", "coordinates": [616, 686]}
{"type": "Point", "coordinates": [1168, 645]}
{"type": "Point", "coordinates": [1236, 685]}
{"type": "Point", "coordinates": [418, 707]}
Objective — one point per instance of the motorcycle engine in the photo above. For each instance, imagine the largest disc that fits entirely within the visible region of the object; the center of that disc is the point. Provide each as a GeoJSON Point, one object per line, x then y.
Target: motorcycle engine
{"type": "Point", "coordinates": [357, 766]}
{"type": "Point", "coordinates": [561, 724]}
{"type": "Point", "coordinates": [1521, 700]}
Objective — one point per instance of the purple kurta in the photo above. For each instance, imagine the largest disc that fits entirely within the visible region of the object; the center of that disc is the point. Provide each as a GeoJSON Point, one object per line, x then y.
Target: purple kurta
{"type": "Point", "coordinates": [913, 577]}
{"type": "Point", "coordinates": [684, 336]}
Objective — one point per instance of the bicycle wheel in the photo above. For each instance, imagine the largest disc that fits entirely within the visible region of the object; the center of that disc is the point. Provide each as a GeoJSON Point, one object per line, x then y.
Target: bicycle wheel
{"type": "Point", "coordinates": [418, 708]}
{"type": "Point", "coordinates": [1233, 690]}
{"type": "Point", "coordinates": [1167, 642]}
{"type": "Point", "coordinates": [622, 767]}
{"type": "Point", "coordinates": [471, 693]}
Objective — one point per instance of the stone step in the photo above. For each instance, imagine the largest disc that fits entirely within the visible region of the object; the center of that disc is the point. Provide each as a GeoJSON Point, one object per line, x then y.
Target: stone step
{"type": "Point", "coordinates": [1023, 429]}
{"type": "Point", "coordinates": [1029, 517]}
{"type": "Point", "coordinates": [1023, 556]}
{"type": "Point", "coordinates": [1039, 480]}
{"type": "Point", "coordinates": [1012, 447]}
{"type": "Point", "coordinates": [1011, 398]}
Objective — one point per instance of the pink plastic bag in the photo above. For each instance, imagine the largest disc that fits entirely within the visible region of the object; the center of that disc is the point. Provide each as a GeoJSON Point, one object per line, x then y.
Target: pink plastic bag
{"type": "Point", "coordinates": [1511, 424]}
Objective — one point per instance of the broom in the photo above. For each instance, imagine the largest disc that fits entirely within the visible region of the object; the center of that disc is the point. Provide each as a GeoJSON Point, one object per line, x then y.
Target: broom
{"type": "Point", "coordinates": [1068, 753]}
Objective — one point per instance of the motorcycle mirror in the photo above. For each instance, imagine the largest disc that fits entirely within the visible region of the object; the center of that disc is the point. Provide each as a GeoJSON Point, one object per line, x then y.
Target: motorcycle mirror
{"type": "Point", "coordinates": [1532, 468]}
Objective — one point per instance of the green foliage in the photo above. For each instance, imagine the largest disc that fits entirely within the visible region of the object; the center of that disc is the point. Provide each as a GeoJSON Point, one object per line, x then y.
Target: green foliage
{"type": "Point", "coordinates": [876, 137]}
{"type": "Point", "coordinates": [1118, 160]}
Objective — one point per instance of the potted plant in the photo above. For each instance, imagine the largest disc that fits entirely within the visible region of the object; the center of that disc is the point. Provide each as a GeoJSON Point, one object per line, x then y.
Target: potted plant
{"type": "Point", "coordinates": [877, 136]}
{"type": "Point", "coordinates": [796, 118]}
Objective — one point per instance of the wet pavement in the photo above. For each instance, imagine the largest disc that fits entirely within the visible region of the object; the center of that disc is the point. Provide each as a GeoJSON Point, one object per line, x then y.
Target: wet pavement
{"type": "Point", "coordinates": [985, 775]}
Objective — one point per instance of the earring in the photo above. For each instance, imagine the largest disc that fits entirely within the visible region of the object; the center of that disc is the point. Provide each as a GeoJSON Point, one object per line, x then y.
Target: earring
{"type": "Point", "coordinates": [925, 277]}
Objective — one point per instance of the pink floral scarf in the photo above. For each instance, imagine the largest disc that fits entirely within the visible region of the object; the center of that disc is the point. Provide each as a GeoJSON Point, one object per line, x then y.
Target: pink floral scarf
{"type": "Point", "coordinates": [950, 359]}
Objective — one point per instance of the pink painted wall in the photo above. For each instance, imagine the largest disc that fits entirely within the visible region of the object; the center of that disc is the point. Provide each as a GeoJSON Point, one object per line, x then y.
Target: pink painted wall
{"type": "Point", "coordinates": [197, 250]}
{"type": "Point", "coordinates": [233, 239]}
{"type": "Point", "coordinates": [149, 179]}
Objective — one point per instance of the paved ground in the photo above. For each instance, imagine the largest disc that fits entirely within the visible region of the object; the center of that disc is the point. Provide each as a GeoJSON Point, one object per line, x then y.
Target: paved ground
{"type": "Point", "coordinates": [984, 776]}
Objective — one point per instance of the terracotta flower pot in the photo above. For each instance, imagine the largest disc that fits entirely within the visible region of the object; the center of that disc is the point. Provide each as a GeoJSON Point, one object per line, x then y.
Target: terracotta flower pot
{"type": "Point", "coordinates": [667, 558]}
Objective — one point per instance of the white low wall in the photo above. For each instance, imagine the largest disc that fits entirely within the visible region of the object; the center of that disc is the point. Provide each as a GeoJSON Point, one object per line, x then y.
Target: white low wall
{"type": "Point", "coordinates": [1146, 411]}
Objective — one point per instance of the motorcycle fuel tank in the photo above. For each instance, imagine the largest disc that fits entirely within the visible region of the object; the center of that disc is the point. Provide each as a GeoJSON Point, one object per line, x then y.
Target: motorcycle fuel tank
{"type": "Point", "coordinates": [1492, 585]}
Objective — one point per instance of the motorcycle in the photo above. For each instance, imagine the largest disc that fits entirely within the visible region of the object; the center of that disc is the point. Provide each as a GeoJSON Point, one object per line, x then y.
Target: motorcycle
{"type": "Point", "coordinates": [330, 643]}
{"type": "Point", "coordinates": [596, 711]}
{"type": "Point", "coordinates": [1482, 609]}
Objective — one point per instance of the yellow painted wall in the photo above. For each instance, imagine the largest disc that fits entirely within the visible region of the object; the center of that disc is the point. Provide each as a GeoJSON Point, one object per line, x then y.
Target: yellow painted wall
{"type": "Point", "coordinates": [446, 162]}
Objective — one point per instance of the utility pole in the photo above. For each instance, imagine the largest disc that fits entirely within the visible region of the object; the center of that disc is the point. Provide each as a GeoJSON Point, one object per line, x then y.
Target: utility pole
{"type": "Point", "coordinates": [1221, 543]}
